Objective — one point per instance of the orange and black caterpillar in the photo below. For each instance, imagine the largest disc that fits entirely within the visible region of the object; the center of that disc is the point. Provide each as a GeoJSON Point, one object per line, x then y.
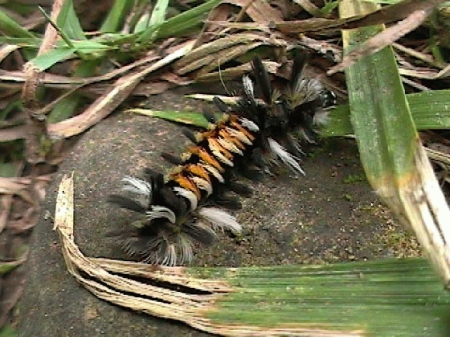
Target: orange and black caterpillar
{"type": "Point", "coordinates": [187, 204]}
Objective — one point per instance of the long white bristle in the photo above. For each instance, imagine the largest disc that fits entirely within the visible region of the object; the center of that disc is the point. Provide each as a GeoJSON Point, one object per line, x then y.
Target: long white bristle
{"type": "Point", "coordinates": [229, 146]}
{"type": "Point", "coordinates": [220, 219]}
{"type": "Point", "coordinates": [185, 245]}
{"type": "Point", "coordinates": [188, 195]}
{"type": "Point", "coordinates": [161, 212]}
{"type": "Point", "coordinates": [214, 172]}
{"type": "Point", "coordinates": [248, 86]}
{"type": "Point", "coordinates": [286, 157]}
{"type": "Point", "coordinates": [309, 88]}
{"type": "Point", "coordinates": [137, 186]}
{"type": "Point", "coordinates": [248, 124]}
{"type": "Point", "coordinates": [321, 118]}
{"type": "Point", "coordinates": [170, 258]}
{"type": "Point", "coordinates": [203, 184]}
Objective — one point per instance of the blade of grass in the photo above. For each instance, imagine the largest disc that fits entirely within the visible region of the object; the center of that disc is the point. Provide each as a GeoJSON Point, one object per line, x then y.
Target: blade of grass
{"type": "Point", "coordinates": [9, 27]}
{"type": "Point", "coordinates": [180, 23]}
{"type": "Point", "coordinates": [394, 161]}
{"type": "Point", "coordinates": [69, 23]}
{"type": "Point", "coordinates": [89, 49]}
{"type": "Point", "coordinates": [46, 60]}
{"type": "Point", "coordinates": [429, 109]}
{"type": "Point", "coordinates": [194, 118]}
{"type": "Point", "coordinates": [159, 12]}
{"type": "Point", "coordinates": [382, 298]}
{"type": "Point", "coordinates": [116, 15]}
{"type": "Point", "coordinates": [32, 42]}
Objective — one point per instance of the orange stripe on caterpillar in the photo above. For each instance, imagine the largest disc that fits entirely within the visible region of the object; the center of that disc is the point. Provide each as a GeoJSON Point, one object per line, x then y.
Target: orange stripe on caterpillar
{"type": "Point", "coordinates": [232, 139]}
{"type": "Point", "coordinates": [204, 156]}
{"type": "Point", "coordinates": [186, 183]}
{"type": "Point", "coordinates": [220, 152]}
{"type": "Point", "coordinates": [240, 128]}
{"type": "Point", "coordinates": [197, 170]}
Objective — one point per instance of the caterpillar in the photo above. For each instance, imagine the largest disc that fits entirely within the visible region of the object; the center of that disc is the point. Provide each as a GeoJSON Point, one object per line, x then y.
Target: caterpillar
{"type": "Point", "coordinates": [188, 204]}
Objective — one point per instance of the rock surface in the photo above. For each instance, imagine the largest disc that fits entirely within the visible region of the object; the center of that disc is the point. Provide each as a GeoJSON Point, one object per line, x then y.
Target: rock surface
{"type": "Point", "coordinates": [330, 215]}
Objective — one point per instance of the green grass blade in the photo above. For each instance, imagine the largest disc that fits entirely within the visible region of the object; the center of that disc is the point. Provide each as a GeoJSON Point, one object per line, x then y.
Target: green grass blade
{"type": "Point", "coordinates": [61, 52]}
{"type": "Point", "coordinates": [187, 118]}
{"type": "Point", "coordinates": [11, 28]}
{"type": "Point", "coordinates": [429, 109]}
{"type": "Point", "coordinates": [380, 114]}
{"type": "Point", "coordinates": [68, 22]}
{"type": "Point", "coordinates": [385, 298]}
{"type": "Point", "coordinates": [394, 161]}
{"type": "Point", "coordinates": [48, 59]}
{"type": "Point", "coordinates": [159, 12]}
{"type": "Point", "coordinates": [178, 24]}
{"type": "Point", "coordinates": [32, 42]}
{"type": "Point", "coordinates": [116, 15]}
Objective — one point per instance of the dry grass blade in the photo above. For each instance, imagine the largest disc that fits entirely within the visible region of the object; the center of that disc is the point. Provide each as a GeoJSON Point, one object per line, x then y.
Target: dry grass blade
{"type": "Point", "coordinates": [309, 7]}
{"type": "Point", "coordinates": [426, 73]}
{"type": "Point", "coordinates": [13, 185]}
{"type": "Point", "coordinates": [106, 103]}
{"type": "Point", "coordinates": [207, 54]}
{"type": "Point", "coordinates": [6, 50]}
{"type": "Point", "coordinates": [258, 10]}
{"type": "Point", "coordinates": [383, 39]}
{"type": "Point", "coordinates": [427, 211]}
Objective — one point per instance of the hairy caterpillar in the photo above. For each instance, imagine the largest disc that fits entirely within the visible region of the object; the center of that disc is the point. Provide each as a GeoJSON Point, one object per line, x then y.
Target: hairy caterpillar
{"type": "Point", "coordinates": [186, 205]}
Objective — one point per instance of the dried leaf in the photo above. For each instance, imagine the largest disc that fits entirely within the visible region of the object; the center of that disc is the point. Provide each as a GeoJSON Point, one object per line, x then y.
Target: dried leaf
{"type": "Point", "coordinates": [259, 11]}
{"type": "Point", "coordinates": [106, 103]}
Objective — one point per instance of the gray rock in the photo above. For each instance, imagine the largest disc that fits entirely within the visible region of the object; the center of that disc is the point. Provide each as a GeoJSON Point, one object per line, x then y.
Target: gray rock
{"type": "Point", "coordinates": [320, 217]}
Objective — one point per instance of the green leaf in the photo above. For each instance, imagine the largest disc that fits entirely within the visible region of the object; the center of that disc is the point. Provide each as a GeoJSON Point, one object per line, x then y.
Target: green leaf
{"type": "Point", "coordinates": [394, 161]}
{"type": "Point", "coordinates": [178, 24]}
{"type": "Point", "coordinates": [159, 12]}
{"type": "Point", "coordinates": [142, 24]}
{"type": "Point", "coordinates": [68, 22]}
{"type": "Point", "coordinates": [116, 15]}
{"type": "Point", "coordinates": [385, 298]}
{"type": "Point", "coordinates": [64, 109]}
{"type": "Point", "coordinates": [50, 58]}
{"type": "Point", "coordinates": [11, 28]}
{"type": "Point", "coordinates": [429, 109]}
{"type": "Point", "coordinates": [328, 7]}
{"type": "Point", "coordinates": [91, 46]}
{"type": "Point", "coordinates": [380, 115]}
{"type": "Point", "coordinates": [188, 118]}
{"type": "Point", "coordinates": [6, 267]}
{"type": "Point", "coordinates": [60, 53]}
{"type": "Point", "coordinates": [67, 106]}
{"type": "Point", "coordinates": [33, 42]}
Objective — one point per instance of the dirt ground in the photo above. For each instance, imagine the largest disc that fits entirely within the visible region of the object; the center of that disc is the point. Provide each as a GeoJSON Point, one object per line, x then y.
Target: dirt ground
{"type": "Point", "coordinates": [328, 216]}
